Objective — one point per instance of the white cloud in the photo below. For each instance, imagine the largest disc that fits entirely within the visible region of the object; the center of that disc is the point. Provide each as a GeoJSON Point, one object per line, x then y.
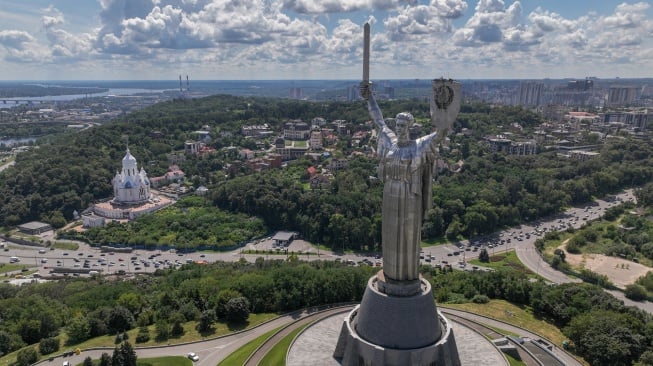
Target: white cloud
{"type": "Point", "coordinates": [15, 39]}
{"type": "Point", "coordinates": [297, 37]}
{"type": "Point", "coordinates": [548, 21]}
{"type": "Point", "coordinates": [20, 46]}
{"type": "Point", "coordinates": [627, 16]}
{"type": "Point", "coordinates": [488, 23]}
{"type": "Point", "coordinates": [449, 8]}
{"type": "Point", "coordinates": [341, 6]}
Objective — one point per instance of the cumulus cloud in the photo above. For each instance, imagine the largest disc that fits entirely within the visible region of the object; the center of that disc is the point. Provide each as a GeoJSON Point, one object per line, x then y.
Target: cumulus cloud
{"type": "Point", "coordinates": [413, 23]}
{"type": "Point", "coordinates": [341, 6]}
{"type": "Point", "coordinates": [20, 46]}
{"type": "Point", "coordinates": [15, 39]}
{"type": "Point", "coordinates": [52, 20]}
{"type": "Point", "coordinates": [547, 21]}
{"type": "Point", "coordinates": [449, 8]}
{"type": "Point", "coordinates": [300, 35]}
{"type": "Point", "coordinates": [488, 23]}
{"type": "Point", "coordinates": [627, 16]}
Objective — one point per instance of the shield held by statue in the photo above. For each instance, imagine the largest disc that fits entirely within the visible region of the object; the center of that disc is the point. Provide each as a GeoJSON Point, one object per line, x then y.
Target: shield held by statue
{"type": "Point", "coordinates": [445, 103]}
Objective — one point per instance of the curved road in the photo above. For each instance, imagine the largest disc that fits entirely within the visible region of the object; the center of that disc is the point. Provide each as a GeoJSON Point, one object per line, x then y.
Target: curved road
{"type": "Point", "coordinates": [210, 351]}
{"type": "Point", "coordinates": [258, 355]}
{"type": "Point", "coordinates": [561, 354]}
{"type": "Point", "coordinates": [213, 351]}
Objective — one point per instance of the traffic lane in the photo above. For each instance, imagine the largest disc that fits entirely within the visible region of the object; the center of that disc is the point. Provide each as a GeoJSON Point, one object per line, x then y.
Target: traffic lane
{"type": "Point", "coordinates": [527, 243]}
{"type": "Point", "coordinates": [31, 257]}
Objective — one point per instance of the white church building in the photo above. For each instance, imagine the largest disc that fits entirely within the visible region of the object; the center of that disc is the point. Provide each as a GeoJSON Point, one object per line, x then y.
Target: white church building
{"type": "Point", "coordinates": [131, 186]}
{"type": "Point", "coordinates": [132, 196]}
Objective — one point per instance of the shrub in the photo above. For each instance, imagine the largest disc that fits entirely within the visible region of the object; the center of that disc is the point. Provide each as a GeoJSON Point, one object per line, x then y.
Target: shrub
{"type": "Point", "coordinates": [480, 299]}
{"type": "Point", "coordinates": [573, 247]}
{"type": "Point", "coordinates": [27, 356]}
{"type": "Point", "coordinates": [143, 335]}
{"type": "Point", "coordinates": [48, 345]}
{"type": "Point", "coordinates": [635, 292]}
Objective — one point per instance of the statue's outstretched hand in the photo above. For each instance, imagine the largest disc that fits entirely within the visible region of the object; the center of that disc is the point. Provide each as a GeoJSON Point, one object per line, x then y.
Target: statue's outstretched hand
{"type": "Point", "coordinates": [366, 89]}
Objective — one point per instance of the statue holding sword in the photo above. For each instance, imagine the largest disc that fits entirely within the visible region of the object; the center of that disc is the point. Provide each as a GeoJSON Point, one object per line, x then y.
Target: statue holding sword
{"type": "Point", "coordinates": [406, 170]}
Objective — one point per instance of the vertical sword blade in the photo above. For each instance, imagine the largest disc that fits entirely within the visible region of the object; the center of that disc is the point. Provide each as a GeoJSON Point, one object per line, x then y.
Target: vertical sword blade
{"type": "Point", "coordinates": [366, 52]}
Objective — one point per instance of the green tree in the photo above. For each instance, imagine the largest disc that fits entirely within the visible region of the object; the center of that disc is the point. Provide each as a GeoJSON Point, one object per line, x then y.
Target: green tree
{"type": "Point", "coordinates": [177, 320]}
{"type": "Point", "coordinates": [120, 319]}
{"type": "Point", "coordinates": [118, 359]}
{"type": "Point", "coordinates": [635, 292]}
{"type": "Point", "coordinates": [48, 345]}
{"type": "Point", "coordinates": [78, 330]}
{"type": "Point", "coordinates": [128, 354]}
{"type": "Point", "coordinates": [237, 309]}
{"type": "Point", "coordinates": [222, 299]}
{"type": "Point", "coordinates": [560, 254]}
{"type": "Point", "coordinates": [27, 356]}
{"type": "Point", "coordinates": [606, 338]}
{"type": "Point", "coordinates": [162, 330]}
{"type": "Point", "coordinates": [9, 342]}
{"type": "Point", "coordinates": [30, 330]}
{"type": "Point", "coordinates": [484, 256]}
{"type": "Point", "coordinates": [646, 359]}
{"type": "Point", "coordinates": [206, 320]}
{"type": "Point", "coordinates": [132, 301]}
{"type": "Point", "coordinates": [105, 359]}
{"type": "Point", "coordinates": [88, 361]}
{"type": "Point", "coordinates": [143, 335]}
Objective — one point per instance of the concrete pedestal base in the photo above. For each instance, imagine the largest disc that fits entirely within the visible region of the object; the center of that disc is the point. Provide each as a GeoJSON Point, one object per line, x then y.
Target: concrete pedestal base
{"type": "Point", "coordinates": [396, 330]}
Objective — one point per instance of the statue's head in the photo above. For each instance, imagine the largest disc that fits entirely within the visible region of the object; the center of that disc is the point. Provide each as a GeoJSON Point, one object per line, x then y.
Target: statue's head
{"type": "Point", "coordinates": [403, 121]}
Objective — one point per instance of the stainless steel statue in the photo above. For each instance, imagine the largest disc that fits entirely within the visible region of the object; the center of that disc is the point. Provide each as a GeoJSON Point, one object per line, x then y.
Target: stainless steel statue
{"type": "Point", "coordinates": [406, 169]}
{"type": "Point", "coordinates": [397, 322]}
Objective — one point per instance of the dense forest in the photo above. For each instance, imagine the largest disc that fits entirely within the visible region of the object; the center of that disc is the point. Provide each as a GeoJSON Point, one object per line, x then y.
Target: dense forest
{"type": "Point", "coordinates": [69, 312]}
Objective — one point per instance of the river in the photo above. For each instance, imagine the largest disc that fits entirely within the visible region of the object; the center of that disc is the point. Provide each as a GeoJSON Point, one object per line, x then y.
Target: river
{"type": "Point", "coordinates": [13, 102]}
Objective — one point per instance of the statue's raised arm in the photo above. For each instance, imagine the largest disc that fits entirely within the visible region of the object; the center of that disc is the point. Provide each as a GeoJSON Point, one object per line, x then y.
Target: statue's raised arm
{"type": "Point", "coordinates": [372, 106]}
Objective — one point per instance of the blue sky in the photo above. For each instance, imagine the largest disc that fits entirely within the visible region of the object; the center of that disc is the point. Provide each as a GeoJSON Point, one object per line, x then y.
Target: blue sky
{"type": "Point", "coordinates": [322, 39]}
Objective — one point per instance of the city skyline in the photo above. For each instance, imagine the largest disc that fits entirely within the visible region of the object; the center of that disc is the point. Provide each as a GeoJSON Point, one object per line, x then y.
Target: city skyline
{"type": "Point", "coordinates": [305, 39]}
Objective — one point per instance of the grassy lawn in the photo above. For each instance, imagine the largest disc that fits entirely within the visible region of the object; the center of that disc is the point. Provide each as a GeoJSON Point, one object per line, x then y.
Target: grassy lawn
{"type": "Point", "coordinates": [513, 361]}
{"type": "Point", "coordinates": [165, 361]}
{"type": "Point", "coordinates": [157, 361]}
{"type": "Point", "coordinates": [515, 315]}
{"type": "Point", "coordinates": [10, 267]}
{"type": "Point", "coordinates": [300, 143]}
{"type": "Point", "coordinates": [433, 242]}
{"type": "Point", "coordinates": [507, 259]}
{"type": "Point", "coordinates": [190, 333]}
{"type": "Point", "coordinates": [277, 355]}
{"type": "Point", "coordinates": [240, 355]}
{"type": "Point", "coordinates": [65, 245]}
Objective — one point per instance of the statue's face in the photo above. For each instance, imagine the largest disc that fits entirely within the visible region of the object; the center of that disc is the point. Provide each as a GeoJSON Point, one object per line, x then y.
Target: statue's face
{"type": "Point", "coordinates": [402, 125]}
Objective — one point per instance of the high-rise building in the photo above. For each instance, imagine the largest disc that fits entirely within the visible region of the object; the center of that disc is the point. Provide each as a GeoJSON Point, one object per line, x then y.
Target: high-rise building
{"type": "Point", "coordinates": [530, 93]}
{"type": "Point", "coordinates": [622, 94]}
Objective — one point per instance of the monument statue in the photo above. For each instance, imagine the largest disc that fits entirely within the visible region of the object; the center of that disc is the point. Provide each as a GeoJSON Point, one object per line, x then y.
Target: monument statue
{"type": "Point", "coordinates": [397, 322]}
{"type": "Point", "coordinates": [406, 170]}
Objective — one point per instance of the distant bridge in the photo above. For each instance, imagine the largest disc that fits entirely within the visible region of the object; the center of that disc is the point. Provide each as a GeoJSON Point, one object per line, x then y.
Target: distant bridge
{"type": "Point", "coordinates": [21, 101]}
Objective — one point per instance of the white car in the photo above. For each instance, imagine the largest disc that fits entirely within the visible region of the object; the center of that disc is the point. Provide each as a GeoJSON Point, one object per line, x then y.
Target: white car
{"type": "Point", "coordinates": [193, 356]}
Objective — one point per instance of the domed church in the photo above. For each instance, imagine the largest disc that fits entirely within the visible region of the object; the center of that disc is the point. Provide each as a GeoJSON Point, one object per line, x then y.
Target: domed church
{"type": "Point", "coordinates": [131, 186]}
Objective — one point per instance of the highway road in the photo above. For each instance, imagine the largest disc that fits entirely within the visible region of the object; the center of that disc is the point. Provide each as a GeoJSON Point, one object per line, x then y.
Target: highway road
{"type": "Point", "coordinates": [212, 351]}
{"type": "Point", "coordinates": [558, 352]}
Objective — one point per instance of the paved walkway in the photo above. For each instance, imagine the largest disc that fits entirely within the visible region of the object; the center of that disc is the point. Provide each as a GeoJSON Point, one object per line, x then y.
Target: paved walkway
{"type": "Point", "coordinates": [316, 344]}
